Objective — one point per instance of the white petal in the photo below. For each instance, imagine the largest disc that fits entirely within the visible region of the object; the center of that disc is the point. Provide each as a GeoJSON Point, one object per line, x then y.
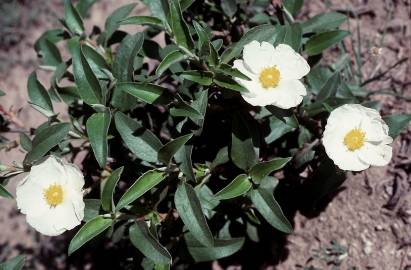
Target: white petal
{"type": "Point", "coordinates": [338, 152]}
{"type": "Point", "coordinates": [44, 225]}
{"type": "Point", "coordinates": [288, 94]}
{"type": "Point", "coordinates": [65, 217]}
{"type": "Point", "coordinates": [30, 198]}
{"type": "Point", "coordinates": [376, 155]}
{"type": "Point", "coordinates": [74, 176]}
{"type": "Point", "coordinates": [291, 64]}
{"type": "Point", "coordinates": [258, 55]}
{"type": "Point", "coordinates": [50, 171]}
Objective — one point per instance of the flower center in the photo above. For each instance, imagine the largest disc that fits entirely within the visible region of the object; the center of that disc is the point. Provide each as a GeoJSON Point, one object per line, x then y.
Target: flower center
{"type": "Point", "coordinates": [54, 195]}
{"type": "Point", "coordinates": [270, 77]}
{"type": "Point", "coordinates": [354, 139]}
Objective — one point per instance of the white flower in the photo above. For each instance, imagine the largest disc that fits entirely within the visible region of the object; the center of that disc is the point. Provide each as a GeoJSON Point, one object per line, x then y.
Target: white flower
{"type": "Point", "coordinates": [275, 75]}
{"type": "Point", "coordinates": [356, 137]}
{"type": "Point", "coordinates": [51, 196]}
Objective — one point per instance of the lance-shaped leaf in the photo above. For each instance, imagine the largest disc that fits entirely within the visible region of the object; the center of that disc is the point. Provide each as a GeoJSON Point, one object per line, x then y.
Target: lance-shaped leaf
{"type": "Point", "coordinates": [72, 18]}
{"type": "Point", "coordinates": [182, 108]}
{"type": "Point", "coordinates": [123, 69]}
{"type": "Point", "coordinates": [183, 160]}
{"type": "Point", "coordinates": [4, 193]}
{"type": "Point", "coordinates": [200, 77]}
{"type": "Point", "coordinates": [97, 129]}
{"type": "Point", "coordinates": [15, 263]}
{"type": "Point", "coordinates": [262, 169]}
{"type": "Point", "coordinates": [144, 241]}
{"type": "Point", "coordinates": [221, 248]}
{"type": "Point", "coordinates": [113, 21]}
{"type": "Point", "coordinates": [143, 184]}
{"type": "Point", "coordinates": [239, 186]}
{"type": "Point", "coordinates": [149, 93]}
{"type": "Point", "coordinates": [142, 20]}
{"type": "Point", "coordinates": [230, 71]}
{"type": "Point", "coordinates": [189, 208]}
{"type": "Point", "coordinates": [89, 230]}
{"type": "Point", "coordinates": [88, 85]}
{"type": "Point", "coordinates": [319, 42]}
{"type": "Point", "coordinates": [396, 123]}
{"type": "Point", "coordinates": [108, 190]}
{"type": "Point", "coordinates": [270, 209]}
{"type": "Point", "coordinates": [38, 94]}
{"type": "Point", "coordinates": [83, 7]}
{"type": "Point", "coordinates": [293, 6]}
{"type": "Point", "coordinates": [242, 152]}
{"type": "Point", "coordinates": [45, 140]}
{"type": "Point", "coordinates": [323, 22]}
{"type": "Point", "coordinates": [168, 150]}
{"type": "Point", "coordinates": [171, 58]}
{"type": "Point", "coordinates": [179, 26]}
{"type": "Point", "coordinates": [260, 33]}
{"type": "Point", "coordinates": [229, 83]}
{"type": "Point", "coordinates": [141, 141]}
{"type": "Point", "coordinates": [290, 34]}
{"type": "Point", "coordinates": [91, 209]}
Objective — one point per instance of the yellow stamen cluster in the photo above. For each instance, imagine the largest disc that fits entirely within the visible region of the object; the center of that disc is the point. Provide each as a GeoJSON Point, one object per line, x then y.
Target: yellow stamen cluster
{"type": "Point", "coordinates": [54, 195]}
{"type": "Point", "coordinates": [354, 139]}
{"type": "Point", "coordinates": [269, 77]}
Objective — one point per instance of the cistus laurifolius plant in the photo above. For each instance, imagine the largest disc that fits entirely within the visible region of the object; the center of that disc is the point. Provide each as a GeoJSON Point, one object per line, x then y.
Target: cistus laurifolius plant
{"type": "Point", "coordinates": [196, 129]}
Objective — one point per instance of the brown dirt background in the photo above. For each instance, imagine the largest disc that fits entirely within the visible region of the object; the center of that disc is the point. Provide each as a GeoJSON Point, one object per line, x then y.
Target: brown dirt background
{"type": "Point", "coordinates": [370, 217]}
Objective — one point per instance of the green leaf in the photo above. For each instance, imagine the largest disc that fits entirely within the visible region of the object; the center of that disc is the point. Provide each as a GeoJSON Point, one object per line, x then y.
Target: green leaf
{"type": "Point", "coordinates": [184, 109]}
{"type": "Point", "coordinates": [83, 7]}
{"type": "Point", "coordinates": [171, 58]}
{"type": "Point", "coordinates": [279, 127]}
{"type": "Point", "coordinates": [90, 230]}
{"type": "Point", "coordinates": [323, 22]}
{"type": "Point", "coordinates": [319, 42]}
{"type": "Point", "coordinates": [45, 140]}
{"type": "Point", "coordinates": [38, 94]}
{"type": "Point", "coordinates": [97, 129]}
{"type": "Point", "coordinates": [159, 9]}
{"type": "Point", "coordinates": [189, 208]}
{"type": "Point", "coordinates": [149, 93]}
{"type": "Point", "coordinates": [229, 7]}
{"type": "Point", "coordinates": [265, 32]}
{"type": "Point", "coordinates": [123, 69]}
{"type": "Point", "coordinates": [144, 241]}
{"type": "Point", "coordinates": [72, 18]}
{"type": "Point", "coordinates": [96, 61]}
{"type": "Point", "coordinates": [200, 77]}
{"type": "Point", "coordinates": [48, 52]}
{"type": "Point", "coordinates": [141, 141]}
{"type": "Point", "coordinates": [25, 142]}
{"type": "Point", "coordinates": [183, 160]}
{"type": "Point", "coordinates": [291, 35]}
{"type": "Point", "coordinates": [203, 36]}
{"type": "Point", "coordinates": [170, 149]}
{"type": "Point", "coordinates": [242, 153]}
{"type": "Point", "coordinates": [221, 248]}
{"type": "Point", "coordinates": [4, 193]}
{"type": "Point", "coordinates": [230, 71]}
{"type": "Point", "coordinates": [239, 186]}
{"type": "Point", "coordinates": [270, 210]}
{"type": "Point", "coordinates": [142, 20]}
{"type": "Point", "coordinates": [91, 209]}
{"type": "Point", "coordinates": [262, 169]}
{"type": "Point", "coordinates": [329, 89]}
{"type": "Point", "coordinates": [178, 25]}
{"type": "Point", "coordinates": [293, 6]}
{"type": "Point", "coordinates": [15, 263]}
{"type": "Point", "coordinates": [143, 184]}
{"type": "Point", "coordinates": [2, 93]}
{"type": "Point", "coordinates": [228, 83]}
{"type": "Point", "coordinates": [185, 4]}
{"type": "Point", "coordinates": [113, 21]}
{"type": "Point", "coordinates": [396, 123]}
{"type": "Point", "coordinates": [108, 191]}
{"type": "Point", "coordinates": [88, 85]}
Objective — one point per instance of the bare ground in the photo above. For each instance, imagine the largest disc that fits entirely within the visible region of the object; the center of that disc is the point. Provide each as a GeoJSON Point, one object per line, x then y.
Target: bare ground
{"type": "Point", "coordinates": [367, 225]}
